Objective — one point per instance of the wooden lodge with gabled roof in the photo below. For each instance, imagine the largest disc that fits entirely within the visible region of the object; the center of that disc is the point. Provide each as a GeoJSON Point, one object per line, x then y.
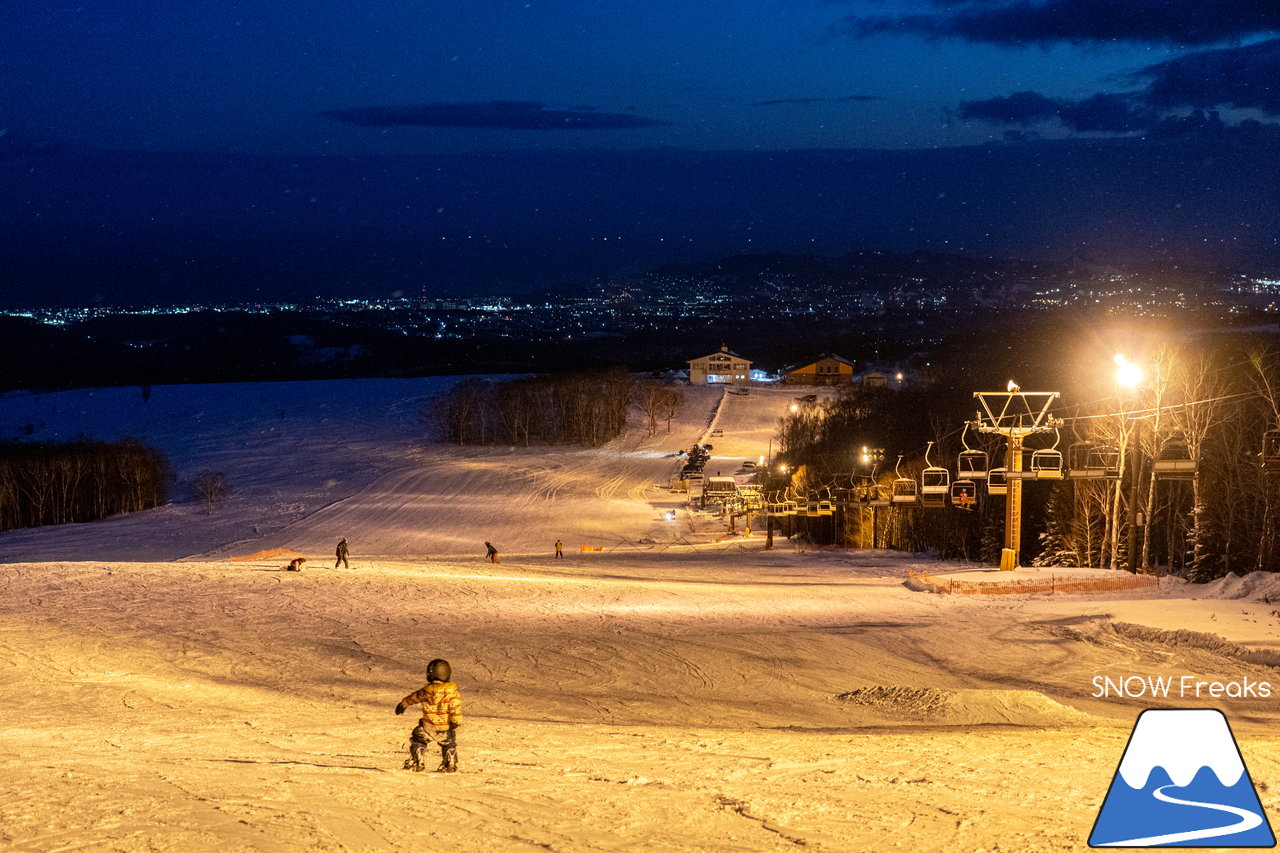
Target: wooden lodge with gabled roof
{"type": "Point", "coordinates": [719, 367]}
{"type": "Point", "coordinates": [829, 369]}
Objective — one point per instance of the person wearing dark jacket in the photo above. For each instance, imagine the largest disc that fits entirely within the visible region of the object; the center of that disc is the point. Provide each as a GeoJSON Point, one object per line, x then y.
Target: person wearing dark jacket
{"type": "Point", "coordinates": [491, 552]}
{"type": "Point", "coordinates": [342, 554]}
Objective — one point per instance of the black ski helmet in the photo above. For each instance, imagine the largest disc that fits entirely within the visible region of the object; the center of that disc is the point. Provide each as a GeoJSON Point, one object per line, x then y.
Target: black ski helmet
{"type": "Point", "coordinates": [438, 670]}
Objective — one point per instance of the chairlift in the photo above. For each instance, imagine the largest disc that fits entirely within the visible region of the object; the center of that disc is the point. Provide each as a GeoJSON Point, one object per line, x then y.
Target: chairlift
{"type": "Point", "coordinates": [1089, 461]}
{"type": "Point", "coordinates": [1046, 464]}
{"type": "Point", "coordinates": [933, 480]}
{"type": "Point", "coordinates": [998, 481]}
{"type": "Point", "coordinates": [1174, 462]}
{"type": "Point", "coordinates": [964, 493]}
{"type": "Point", "coordinates": [905, 489]}
{"type": "Point", "coordinates": [933, 500]}
{"type": "Point", "coordinates": [971, 464]}
{"type": "Point", "coordinates": [1271, 450]}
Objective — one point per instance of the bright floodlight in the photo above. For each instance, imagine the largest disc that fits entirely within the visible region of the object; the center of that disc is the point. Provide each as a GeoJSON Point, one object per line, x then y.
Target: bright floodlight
{"type": "Point", "coordinates": [1128, 375]}
{"type": "Point", "coordinates": [1012, 387]}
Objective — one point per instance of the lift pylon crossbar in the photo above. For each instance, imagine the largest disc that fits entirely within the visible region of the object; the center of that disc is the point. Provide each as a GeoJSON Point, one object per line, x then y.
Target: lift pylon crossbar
{"type": "Point", "coordinates": [1015, 413]}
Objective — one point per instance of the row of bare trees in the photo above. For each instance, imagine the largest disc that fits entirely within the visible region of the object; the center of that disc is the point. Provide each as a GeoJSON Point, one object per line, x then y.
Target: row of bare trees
{"type": "Point", "coordinates": [78, 481]}
{"type": "Point", "coordinates": [586, 408]}
{"type": "Point", "coordinates": [1210, 407]}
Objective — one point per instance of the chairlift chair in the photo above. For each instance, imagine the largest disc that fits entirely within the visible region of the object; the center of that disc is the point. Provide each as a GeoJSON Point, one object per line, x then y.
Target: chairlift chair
{"type": "Point", "coordinates": [1046, 464]}
{"type": "Point", "coordinates": [972, 465]}
{"type": "Point", "coordinates": [1089, 461]}
{"type": "Point", "coordinates": [1174, 462]}
{"type": "Point", "coordinates": [964, 493]}
{"type": "Point", "coordinates": [1271, 450]}
{"type": "Point", "coordinates": [933, 480]}
{"type": "Point", "coordinates": [933, 500]}
{"type": "Point", "coordinates": [998, 481]}
{"type": "Point", "coordinates": [1078, 460]}
{"type": "Point", "coordinates": [905, 491]}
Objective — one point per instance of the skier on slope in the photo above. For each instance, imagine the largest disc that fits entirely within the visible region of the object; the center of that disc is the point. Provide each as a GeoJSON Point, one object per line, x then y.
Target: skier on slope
{"type": "Point", "coordinates": [441, 716]}
{"type": "Point", "coordinates": [342, 554]}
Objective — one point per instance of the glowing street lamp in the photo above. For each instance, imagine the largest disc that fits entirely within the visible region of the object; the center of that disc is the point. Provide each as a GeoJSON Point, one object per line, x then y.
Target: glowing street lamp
{"type": "Point", "coordinates": [1128, 374]}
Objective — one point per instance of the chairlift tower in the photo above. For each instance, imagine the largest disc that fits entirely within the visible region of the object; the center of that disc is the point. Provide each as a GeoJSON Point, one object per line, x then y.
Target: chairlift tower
{"type": "Point", "coordinates": [1015, 414]}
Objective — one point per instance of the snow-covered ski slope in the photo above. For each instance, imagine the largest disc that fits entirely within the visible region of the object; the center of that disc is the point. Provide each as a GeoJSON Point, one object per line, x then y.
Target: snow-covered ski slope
{"type": "Point", "coordinates": [678, 694]}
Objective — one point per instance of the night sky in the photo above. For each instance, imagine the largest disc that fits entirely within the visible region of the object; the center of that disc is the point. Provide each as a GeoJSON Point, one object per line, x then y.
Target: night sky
{"type": "Point", "coordinates": [372, 79]}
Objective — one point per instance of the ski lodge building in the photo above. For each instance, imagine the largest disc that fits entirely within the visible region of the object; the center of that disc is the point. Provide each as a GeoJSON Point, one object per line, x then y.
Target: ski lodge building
{"type": "Point", "coordinates": [829, 369]}
{"type": "Point", "coordinates": [719, 367]}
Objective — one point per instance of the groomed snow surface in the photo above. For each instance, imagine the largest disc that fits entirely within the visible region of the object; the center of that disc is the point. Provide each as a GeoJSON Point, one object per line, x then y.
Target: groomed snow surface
{"type": "Point", "coordinates": [675, 690]}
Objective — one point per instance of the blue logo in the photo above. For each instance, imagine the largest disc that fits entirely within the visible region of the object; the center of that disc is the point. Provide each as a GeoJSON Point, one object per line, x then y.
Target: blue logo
{"type": "Point", "coordinates": [1181, 783]}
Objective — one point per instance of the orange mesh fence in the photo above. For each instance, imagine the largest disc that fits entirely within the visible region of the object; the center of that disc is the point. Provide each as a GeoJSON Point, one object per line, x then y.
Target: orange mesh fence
{"type": "Point", "coordinates": [1044, 585]}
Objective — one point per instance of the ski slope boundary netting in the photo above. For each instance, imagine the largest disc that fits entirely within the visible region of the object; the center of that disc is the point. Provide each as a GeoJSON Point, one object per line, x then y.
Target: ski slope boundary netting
{"type": "Point", "coordinates": [1046, 585]}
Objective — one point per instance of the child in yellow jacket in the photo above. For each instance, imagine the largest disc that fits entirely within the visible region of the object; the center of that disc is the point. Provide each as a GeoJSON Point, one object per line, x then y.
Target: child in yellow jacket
{"type": "Point", "coordinates": [441, 717]}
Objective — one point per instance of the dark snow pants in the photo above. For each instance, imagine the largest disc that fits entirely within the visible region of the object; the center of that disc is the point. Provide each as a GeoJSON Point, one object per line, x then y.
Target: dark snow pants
{"type": "Point", "coordinates": [424, 738]}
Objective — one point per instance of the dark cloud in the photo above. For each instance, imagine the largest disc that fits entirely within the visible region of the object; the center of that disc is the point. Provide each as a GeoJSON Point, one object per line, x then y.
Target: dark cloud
{"type": "Point", "coordinates": [1015, 22]}
{"type": "Point", "coordinates": [1108, 113]}
{"type": "Point", "coordinates": [506, 115]}
{"type": "Point", "coordinates": [1247, 76]}
{"type": "Point", "coordinates": [845, 100]}
{"type": "Point", "coordinates": [1242, 77]}
{"type": "Point", "coordinates": [1021, 108]}
{"type": "Point", "coordinates": [1101, 113]}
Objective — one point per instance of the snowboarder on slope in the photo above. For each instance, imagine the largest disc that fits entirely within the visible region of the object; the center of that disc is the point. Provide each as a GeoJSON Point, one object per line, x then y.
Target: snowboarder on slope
{"type": "Point", "coordinates": [295, 565]}
{"type": "Point", "coordinates": [441, 718]}
{"type": "Point", "coordinates": [342, 554]}
{"type": "Point", "coordinates": [491, 552]}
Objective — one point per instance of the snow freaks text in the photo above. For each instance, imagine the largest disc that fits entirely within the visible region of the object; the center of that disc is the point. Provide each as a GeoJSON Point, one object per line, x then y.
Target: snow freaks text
{"type": "Point", "coordinates": [1177, 686]}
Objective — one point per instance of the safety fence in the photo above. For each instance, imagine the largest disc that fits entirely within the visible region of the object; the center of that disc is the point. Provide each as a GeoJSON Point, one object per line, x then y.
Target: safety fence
{"type": "Point", "coordinates": [1040, 585]}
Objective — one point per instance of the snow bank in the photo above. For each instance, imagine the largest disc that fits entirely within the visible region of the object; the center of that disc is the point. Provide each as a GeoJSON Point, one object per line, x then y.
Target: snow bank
{"type": "Point", "coordinates": [1260, 586]}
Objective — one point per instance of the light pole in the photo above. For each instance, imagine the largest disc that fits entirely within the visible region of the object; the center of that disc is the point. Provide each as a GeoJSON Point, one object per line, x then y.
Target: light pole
{"type": "Point", "coordinates": [1129, 377]}
{"type": "Point", "coordinates": [870, 457]}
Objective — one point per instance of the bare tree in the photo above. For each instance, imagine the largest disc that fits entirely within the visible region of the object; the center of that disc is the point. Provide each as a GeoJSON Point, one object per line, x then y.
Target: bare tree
{"type": "Point", "coordinates": [211, 488]}
{"type": "Point", "coordinates": [1202, 389]}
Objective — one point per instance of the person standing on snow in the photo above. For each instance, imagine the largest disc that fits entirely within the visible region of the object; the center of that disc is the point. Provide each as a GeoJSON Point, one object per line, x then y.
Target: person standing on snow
{"type": "Point", "coordinates": [559, 548]}
{"type": "Point", "coordinates": [441, 716]}
{"type": "Point", "coordinates": [491, 552]}
{"type": "Point", "coordinates": [342, 554]}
